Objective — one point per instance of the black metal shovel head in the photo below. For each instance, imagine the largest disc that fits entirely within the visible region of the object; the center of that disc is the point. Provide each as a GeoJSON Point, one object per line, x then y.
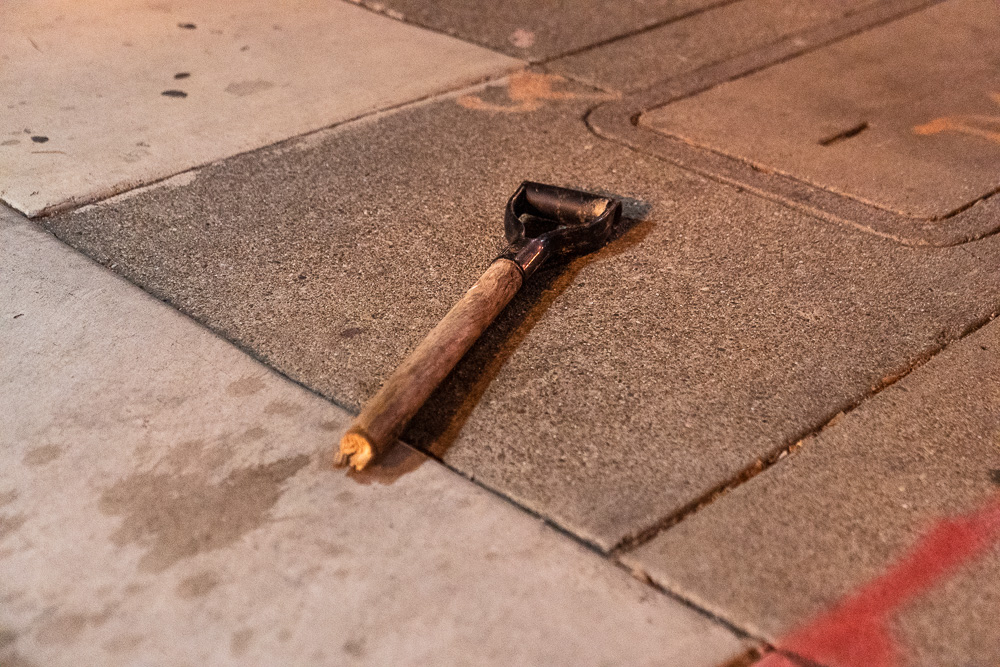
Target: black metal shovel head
{"type": "Point", "coordinates": [568, 222]}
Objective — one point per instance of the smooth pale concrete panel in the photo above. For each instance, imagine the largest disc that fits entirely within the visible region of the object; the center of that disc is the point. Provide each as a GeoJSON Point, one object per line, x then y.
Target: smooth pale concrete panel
{"type": "Point", "coordinates": [679, 47]}
{"type": "Point", "coordinates": [612, 392]}
{"type": "Point", "coordinates": [905, 116]}
{"type": "Point", "coordinates": [88, 80]}
{"type": "Point", "coordinates": [911, 477]}
{"type": "Point", "coordinates": [166, 500]}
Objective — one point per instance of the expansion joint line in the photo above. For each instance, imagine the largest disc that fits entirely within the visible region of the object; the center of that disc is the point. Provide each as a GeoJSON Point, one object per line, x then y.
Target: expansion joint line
{"type": "Point", "coordinates": [764, 463]}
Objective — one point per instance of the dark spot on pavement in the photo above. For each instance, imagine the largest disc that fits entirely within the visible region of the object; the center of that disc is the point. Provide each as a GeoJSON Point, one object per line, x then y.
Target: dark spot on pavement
{"type": "Point", "coordinates": [134, 589]}
{"type": "Point", "coordinates": [197, 585]}
{"type": "Point", "coordinates": [187, 26]}
{"type": "Point", "coordinates": [10, 522]}
{"type": "Point", "coordinates": [18, 315]}
{"type": "Point", "coordinates": [38, 139]}
{"type": "Point", "coordinates": [240, 642]}
{"type": "Point", "coordinates": [351, 332]}
{"type": "Point", "coordinates": [995, 475]}
{"type": "Point", "coordinates": [355, 647]}
{"type": "Point", "coordinates": [10, 142]}
{"type": "Point", "coordinates": [7, 497]}
{"type": "Point", "coordinates": [282, 408]}
{"type": "Point", "coordinates": [331, 425]}
{"type": "Point", "coordinates": [246, 386]}
{"type": "Point", "coordinates": [333, 550]}
{"type": "Point", "coordinates": [174, 93]}
{"type": "Point", "coordinates": [177, 515]}
{"type": "Point", "coordinates": [182, 75]}
{"type": "Point", "coordinates": [7, 637]}
{"type": "Point", "coordinates": [244, 88]}
{"type": "Point", "coordinates": [15, 659]}
{"type": "Point", "coordinates": [65, 628]}
{"type": "Point", "coordinates": [39, 456]}
{"type": "Point", "coordinates": [398, 461]}
{"type": "Point", "coordinates": [255, 433]}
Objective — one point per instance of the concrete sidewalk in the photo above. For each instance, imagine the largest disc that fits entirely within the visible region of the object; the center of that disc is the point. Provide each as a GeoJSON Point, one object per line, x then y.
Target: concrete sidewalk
{"type": "Point", "coordinates": [720, 401]}
{"type": "Point", "coordinates": [168, 500]}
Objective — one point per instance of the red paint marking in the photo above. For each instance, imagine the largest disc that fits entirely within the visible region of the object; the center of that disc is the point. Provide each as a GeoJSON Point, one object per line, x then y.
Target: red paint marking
{"type": "Point", "coordinates": [855, 632]}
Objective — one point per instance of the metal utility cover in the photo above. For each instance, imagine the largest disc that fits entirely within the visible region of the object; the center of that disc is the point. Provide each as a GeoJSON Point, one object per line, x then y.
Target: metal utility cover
{"type": "Point", "coordinates": [905, 118]}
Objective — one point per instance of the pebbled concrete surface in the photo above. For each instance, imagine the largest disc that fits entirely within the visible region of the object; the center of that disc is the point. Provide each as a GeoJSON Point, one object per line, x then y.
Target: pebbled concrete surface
{"type": "Point", "coordinates": [716, 330]}
{"type": "Point", "coordinates": [916, 470]}
{"type": "Point", "coordinates": [904, 116]}
{"type": "Point", "coordinates": [99, 98]}
{"type": "Point", "coordinates": [166, 500]}
{"type": "Point", "coordinates": [537, 30]}
{"type": "Point", "coordinates": [680, 47]}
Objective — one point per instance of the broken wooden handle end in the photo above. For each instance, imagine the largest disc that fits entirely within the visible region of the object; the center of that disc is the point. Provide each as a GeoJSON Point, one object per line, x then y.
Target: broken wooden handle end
{"type": "Point", "coordinates": [356, 451]}
{"type": "Point", "coordinates": [383, 418]}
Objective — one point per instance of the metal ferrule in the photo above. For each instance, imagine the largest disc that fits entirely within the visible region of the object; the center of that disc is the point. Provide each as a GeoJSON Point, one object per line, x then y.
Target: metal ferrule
{"type": "Point", "coordinates": [529, 256]}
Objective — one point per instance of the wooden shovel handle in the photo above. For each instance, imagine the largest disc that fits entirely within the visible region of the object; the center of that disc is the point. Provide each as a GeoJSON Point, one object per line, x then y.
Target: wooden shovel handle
{"type": "Point", "coordinates": [384, 416]}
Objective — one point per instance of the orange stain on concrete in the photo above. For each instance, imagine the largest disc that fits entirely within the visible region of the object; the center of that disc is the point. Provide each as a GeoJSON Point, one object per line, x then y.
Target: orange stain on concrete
{"type": "Point", "coordinates": [528, 91]}
{"type": "Point", "coordinates": [977, 125]}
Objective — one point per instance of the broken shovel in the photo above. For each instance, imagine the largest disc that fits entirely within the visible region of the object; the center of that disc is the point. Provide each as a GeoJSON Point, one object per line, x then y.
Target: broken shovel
{"type": "Point", "coordinates": [542, 222]}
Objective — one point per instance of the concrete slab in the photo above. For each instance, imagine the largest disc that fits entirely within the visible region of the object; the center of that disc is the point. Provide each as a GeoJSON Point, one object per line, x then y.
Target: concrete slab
{"type": "Point", "coordinates": [614, 120]}
{"type": "Point", "coordinates": [680, 47]}
{"type": "Point", "coordinates": [98, 98]}
{"type": "Point", "coordinates": [905, 117]}
{"type": "Point", "coordinates": [879, 538]}
{"type": "Point", "coordinates": [538, 30]}
{"type": "Point", "coordinates": [169, 501]}
{"type": "Point", "coordinates": [719, 328]}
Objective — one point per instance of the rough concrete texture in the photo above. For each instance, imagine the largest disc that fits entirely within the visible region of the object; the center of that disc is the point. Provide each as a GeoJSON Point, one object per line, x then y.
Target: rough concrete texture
{"type": "Point", "coordinates": [867, 509]}
{"type": "Point", "coordinates": [683, 46]}
{"type": "Point", "coordinates": [904, 117]}
{"type": "Point", "coordinates": [716, 329]}
{"type": "Point", "coordinates": [538, 30]}
{"type": "Point", "coordinates": [102, 97]}
{"type": "Point", "coordinates": [166, 500]}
